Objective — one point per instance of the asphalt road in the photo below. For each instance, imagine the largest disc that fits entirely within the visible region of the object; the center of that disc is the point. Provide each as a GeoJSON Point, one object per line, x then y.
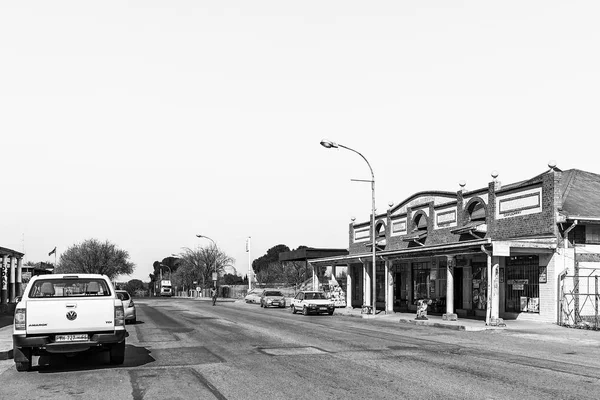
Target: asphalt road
{"type": "Point", "coordinates": [185, 349]}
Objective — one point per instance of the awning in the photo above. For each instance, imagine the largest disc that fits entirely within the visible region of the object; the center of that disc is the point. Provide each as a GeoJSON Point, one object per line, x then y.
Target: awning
{"type": "Point", "coordinates": [465, 247]}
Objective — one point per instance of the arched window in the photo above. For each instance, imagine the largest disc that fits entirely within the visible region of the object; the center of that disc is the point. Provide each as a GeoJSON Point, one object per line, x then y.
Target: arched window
{"type": "Point", "coordinates": [476, 211]}
{"type": "Point", "coordinates": [420, 223]}
{"type": "Point", "coordinates": [380, 229]}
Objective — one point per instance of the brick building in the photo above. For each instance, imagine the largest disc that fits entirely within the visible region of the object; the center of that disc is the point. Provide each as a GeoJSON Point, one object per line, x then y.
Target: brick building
{"type": "Point", "coordinates": [524, 250]}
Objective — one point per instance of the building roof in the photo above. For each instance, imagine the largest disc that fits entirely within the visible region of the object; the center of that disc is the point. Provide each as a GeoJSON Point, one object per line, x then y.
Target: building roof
{"type": "Point", "coordinates": [308, 253]}
{"type": "Point", "coordinates": [9, 252]}
{"type": "Point", "coordinates": [580, 191]}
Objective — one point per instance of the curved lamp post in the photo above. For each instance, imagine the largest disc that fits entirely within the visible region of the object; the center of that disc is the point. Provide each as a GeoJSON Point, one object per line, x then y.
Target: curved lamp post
{"type": "Point", "coordinates": [166, 266]}
{"type": "Point", "coordinates": [214, 260]}
{"type": "Point", "coordinates": [329, 145]}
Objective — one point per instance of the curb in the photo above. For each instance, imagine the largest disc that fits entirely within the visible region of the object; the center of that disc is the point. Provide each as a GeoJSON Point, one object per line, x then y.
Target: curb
{"type": "Point", "coordinates": [6, 354]}
{"type": "Point", "coordinates": [6, 344]}
{"type": "Point", "coordinates": [434, 324]}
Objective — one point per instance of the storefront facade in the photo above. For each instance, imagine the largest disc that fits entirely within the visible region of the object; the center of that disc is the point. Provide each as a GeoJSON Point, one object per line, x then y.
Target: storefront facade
{"type": "Point", "coordinates": [494, 252]}
{"type": "Point", "coordinates": [10, 275]}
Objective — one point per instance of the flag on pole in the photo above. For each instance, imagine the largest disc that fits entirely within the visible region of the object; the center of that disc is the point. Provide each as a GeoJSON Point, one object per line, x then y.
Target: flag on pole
{"type": "Point", "coordinates": [247, 245]}
{"type": "Point", "coordinates": [52, 252]}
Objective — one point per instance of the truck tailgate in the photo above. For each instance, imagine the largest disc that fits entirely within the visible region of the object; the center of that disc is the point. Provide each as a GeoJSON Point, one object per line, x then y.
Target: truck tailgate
{"type": "Point", "coordinates": [70, 315]}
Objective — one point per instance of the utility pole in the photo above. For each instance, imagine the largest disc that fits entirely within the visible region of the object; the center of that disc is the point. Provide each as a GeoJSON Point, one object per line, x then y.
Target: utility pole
{"type": "Point", "coordinates": [249, 264]}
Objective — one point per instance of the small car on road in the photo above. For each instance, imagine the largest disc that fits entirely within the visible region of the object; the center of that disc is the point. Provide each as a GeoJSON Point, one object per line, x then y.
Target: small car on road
{"type": "Point", "coordinates": [253, 296]}
{"type": "Point", "coordinates": [312, 302]}
{"type": "Point", "coordinates": [128, 305]}
{"type": "Point", "coordinates": [272, 298]}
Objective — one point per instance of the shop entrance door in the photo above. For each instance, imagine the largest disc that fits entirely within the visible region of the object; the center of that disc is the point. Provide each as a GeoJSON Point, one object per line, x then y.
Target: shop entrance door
{"type": "Point", "coordinates": [458, 288]}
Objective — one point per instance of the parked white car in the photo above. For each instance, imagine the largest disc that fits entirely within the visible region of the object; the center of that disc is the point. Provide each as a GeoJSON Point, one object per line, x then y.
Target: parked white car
{"type": "Point", "coordinates": [312, 302]}
{"type": "Point", "coordinates": [128, 306]}
{"type": "Point", "coordinates": [253, 296]}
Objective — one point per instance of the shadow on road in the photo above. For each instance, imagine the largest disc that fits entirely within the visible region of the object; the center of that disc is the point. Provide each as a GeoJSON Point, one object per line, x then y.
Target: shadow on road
{"type": "Point", "coordinates": [6, 320]}
{"type": "Point", "coordinates": [135, 356]}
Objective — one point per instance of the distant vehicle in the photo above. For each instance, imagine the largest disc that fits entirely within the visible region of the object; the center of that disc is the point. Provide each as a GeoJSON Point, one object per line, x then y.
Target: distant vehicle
{"type": "Point", "coordinates": [128, 306]}
{"type": "Point", "coordinates": [253, 296]}
{"type": "Point", "coordinates": [272, 298]}
{"type": "Point", "coordinates": [165, 288]}
{"type": "Point", "coordinates": [312, 302]}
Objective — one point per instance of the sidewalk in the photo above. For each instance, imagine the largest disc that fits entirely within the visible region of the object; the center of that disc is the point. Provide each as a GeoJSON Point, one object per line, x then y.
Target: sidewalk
{"type": "Point", "coordinates": [462, 324]}
{"type": "Point", "coordinates": [6, 345]}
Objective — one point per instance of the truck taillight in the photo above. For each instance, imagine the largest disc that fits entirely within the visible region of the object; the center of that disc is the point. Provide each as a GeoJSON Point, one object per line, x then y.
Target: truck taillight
{"type": "Point", "coordinates": [119, 316]}
{"type": "Point", "coordinates": [20, 319]}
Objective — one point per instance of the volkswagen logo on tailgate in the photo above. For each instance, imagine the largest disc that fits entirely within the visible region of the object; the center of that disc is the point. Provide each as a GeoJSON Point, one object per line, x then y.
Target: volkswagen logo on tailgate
{"type": "Point", "coordinates": [71, 315]}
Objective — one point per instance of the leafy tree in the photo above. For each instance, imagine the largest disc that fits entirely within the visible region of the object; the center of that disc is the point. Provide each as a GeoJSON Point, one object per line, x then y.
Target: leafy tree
{"type": "Point", "coordinates": [232, 279]}
{"type": "Point", "coordinates": [269, 269]}
{"type": "Point", "coordinates": [95, 257]}
{"type": "Point", "coordinates": [266, 261]}
{"type": "Point", "coordinates": [134, 285]}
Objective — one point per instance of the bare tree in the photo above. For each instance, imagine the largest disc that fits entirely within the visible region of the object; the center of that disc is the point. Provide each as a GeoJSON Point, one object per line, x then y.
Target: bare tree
{"type": "Point", "coordinates": [199, 264]}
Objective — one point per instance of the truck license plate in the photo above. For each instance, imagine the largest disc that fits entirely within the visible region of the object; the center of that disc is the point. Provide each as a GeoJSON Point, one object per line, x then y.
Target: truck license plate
{"type": "Point", "coordinates": [322, 308]}
{"type": "Point", "coordinates": [72, 338]}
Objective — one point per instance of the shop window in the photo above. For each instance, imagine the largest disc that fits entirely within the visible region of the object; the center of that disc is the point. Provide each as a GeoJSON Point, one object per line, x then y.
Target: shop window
{"type": "Point", "coordinates": [479, 283]}
{"type": "Point", "coordinates": [522, 274]}
{"type": "Point", "coordinates": [592, 234]}
{"type": "Point", "coordinates": [577, 235]}
{"type": "Point", "coordinates": [421, 283]}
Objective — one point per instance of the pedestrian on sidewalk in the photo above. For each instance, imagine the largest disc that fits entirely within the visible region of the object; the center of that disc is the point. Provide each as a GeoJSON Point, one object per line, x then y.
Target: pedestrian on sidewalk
{"type": "Point", "coordinates": [213, 294]}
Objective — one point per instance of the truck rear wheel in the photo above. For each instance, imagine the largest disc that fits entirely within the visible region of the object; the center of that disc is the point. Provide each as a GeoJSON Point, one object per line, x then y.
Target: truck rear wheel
{"type": "Point", "coordinates": [22, 358]}
{"type": "Point", "coordinates": [117, 353]}
{"type": "Point", "coordinates": [23, 365]}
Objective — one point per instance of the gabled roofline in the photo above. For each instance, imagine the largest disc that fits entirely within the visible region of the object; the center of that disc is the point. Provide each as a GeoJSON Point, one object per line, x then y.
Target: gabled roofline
{"type": "Point", "coordinates": [451, 195]}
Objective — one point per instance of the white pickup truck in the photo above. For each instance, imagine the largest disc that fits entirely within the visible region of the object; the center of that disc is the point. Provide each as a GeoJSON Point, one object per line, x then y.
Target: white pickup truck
{"type": "Point", "coordinates": [66, 314]}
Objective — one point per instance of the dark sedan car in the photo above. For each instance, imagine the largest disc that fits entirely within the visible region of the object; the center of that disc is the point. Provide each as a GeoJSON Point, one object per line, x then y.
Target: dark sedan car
{"type": "Point", "coordinates": [272, 298]}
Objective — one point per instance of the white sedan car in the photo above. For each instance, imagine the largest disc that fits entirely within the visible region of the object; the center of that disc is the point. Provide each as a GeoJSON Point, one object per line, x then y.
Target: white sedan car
{"type": "Point", "coordinates": [312, 302]}
{"type": "Point", "coordinates": [253, 296]}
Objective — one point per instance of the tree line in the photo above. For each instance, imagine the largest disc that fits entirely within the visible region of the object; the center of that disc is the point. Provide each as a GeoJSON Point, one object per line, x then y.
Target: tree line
{"type": "Point", "coordinates": [190, 269]}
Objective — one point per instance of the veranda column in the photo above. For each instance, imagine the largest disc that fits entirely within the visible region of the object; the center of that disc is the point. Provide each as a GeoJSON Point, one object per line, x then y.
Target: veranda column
{"type": "Point", "coordinates": [315, 279]}
{"type": "Point", "coordinates": [389, 291]}
{"type": "Point", "coordinates": [450, 265]}
{"type": "Point", "coordinates": [495, 288]}
{"type": "Point", "coordinates": [349, 284]}
{"type": "Point", "coordinates": [4, 281]}
{"type": "Point", "coordinates": [367, 284]}
{"type": "Point", "coordinates": [11, 288]}
{"type": "Point", "coordinates": [20, 276]}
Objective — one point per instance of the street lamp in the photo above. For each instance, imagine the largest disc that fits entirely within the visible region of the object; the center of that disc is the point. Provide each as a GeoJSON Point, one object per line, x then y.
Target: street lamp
{"type": "Point", "coordinates": [329, 144]}
{"type": "Point", "coordinates": [166, 266]}
{"type": "Point", "coordinates": [214, 260]}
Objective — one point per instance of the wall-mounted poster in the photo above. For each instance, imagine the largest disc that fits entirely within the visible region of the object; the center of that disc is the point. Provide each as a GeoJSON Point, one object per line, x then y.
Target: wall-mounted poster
{"type": "Point", "coordinates": [543, 275]}
{"type": "Point", "coordinates": [523, 303]}
{"type": "Point", "coordinates": [534, 304]}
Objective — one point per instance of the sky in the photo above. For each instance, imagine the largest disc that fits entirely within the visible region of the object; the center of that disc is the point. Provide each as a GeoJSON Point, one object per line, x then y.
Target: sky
{"type": "Point", "coordinates": [145, 123]}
